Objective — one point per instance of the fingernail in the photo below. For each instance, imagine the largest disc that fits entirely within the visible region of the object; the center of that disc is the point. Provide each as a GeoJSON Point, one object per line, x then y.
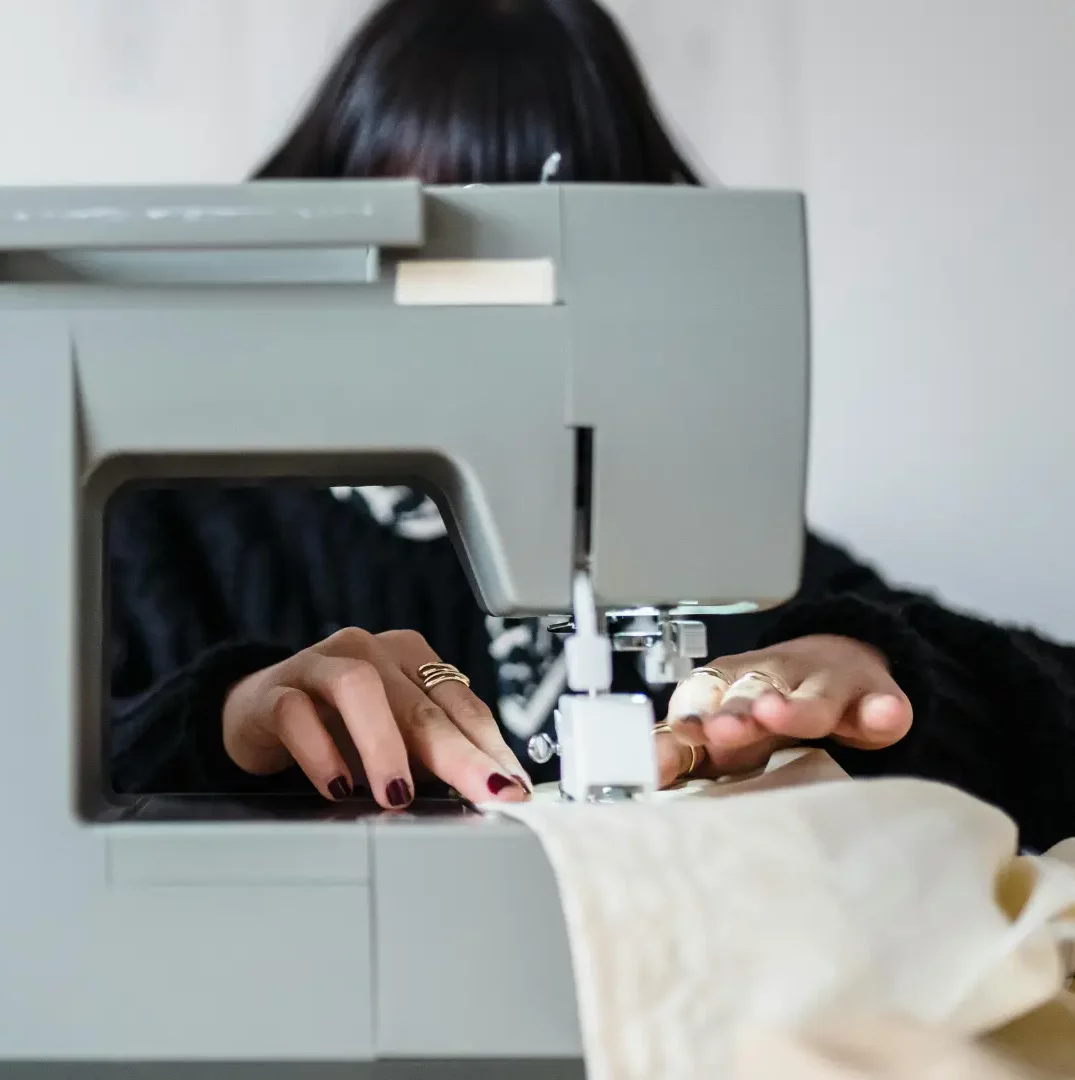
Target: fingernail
{"type": "Point", "coordinates": [773, 704]}
{"type": "Point", "coordinates": [880, 712]}
{"type": "Point", "coordinates": [524, 784]}
{"type": "Point", "coordinates": [498, 782]}
{"type": "Point", "coordinates": [340, 788]}
{"type": "Point", "coordinates": [692, 719]}
{"type": "Point", "coordinates": [398, 793]}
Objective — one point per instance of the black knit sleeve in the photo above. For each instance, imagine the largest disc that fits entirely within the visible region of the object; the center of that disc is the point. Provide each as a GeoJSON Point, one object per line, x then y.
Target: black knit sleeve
{"type": "Point", "coordinates": [169, 739]}
{"type": "Point", "coordinates": [994, 706]}
{"type": "Point", "coordinates": [172, 659]}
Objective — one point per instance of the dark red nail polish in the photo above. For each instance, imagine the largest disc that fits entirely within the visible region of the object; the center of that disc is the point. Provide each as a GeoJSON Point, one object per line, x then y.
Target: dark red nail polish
{"type": "Point", "coordinates": [340, 788]}
{"type": "Point", "coordinates": [497, 783]}
{"type": "Point", "coordinates": [398, 793]}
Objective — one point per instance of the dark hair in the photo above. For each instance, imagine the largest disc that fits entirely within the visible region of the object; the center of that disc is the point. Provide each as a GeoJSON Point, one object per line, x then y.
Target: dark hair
{"type": "Point", "coordinates": [484, 91]}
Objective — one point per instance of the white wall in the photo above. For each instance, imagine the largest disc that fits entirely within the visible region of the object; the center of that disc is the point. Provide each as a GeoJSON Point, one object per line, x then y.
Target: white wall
{"type": "Point", "coordinates": [935, 141]}
{"type": "Point", "coordinates": [939, 152]}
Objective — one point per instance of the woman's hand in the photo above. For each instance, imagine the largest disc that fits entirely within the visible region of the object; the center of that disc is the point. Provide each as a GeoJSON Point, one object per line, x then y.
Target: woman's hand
{"type": "Point", "coordinates": [367, 688]}
{"type": "Point", "coordinates": [811, 688]}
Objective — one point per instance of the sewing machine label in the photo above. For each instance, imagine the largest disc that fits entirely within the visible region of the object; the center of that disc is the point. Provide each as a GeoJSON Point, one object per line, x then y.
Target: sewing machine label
{"type": "Point", "coordinates": [476, 283]}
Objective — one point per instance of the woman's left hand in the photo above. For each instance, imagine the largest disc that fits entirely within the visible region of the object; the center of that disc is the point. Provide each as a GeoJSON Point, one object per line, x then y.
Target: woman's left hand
{"type": "Point", "coordinates": [811, 688]}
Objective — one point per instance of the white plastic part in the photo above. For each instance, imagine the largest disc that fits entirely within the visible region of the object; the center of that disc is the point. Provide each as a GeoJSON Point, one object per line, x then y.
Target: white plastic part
{"type": "Point", "coordinates": [588, 651]}
{"type": "Point", "coordinates": [589, 663]}
{"type": "Point", "coordinates": [606, 742]}
{"type": "Point", "coordinates": [663, 665]}
{"type": "Point", "coordinates": [476, 283]}
{"type": "Point", "coordinates": [584, 603]}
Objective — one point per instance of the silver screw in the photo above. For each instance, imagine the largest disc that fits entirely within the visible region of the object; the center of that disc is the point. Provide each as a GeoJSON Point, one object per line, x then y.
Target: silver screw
{"type": "Point", "coordinates": [542, 749]}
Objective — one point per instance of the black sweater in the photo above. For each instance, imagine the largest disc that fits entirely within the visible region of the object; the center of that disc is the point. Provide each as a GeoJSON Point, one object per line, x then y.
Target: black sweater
{"type": "Point", "coordinates": [208, 584]}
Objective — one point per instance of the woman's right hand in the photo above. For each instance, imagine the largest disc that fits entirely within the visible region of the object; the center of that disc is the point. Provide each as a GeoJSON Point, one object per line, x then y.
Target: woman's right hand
{"type": "Point", "coordinates": [282, 715]}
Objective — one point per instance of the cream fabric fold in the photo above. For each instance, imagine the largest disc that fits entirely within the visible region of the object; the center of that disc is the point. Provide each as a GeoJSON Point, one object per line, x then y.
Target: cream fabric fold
{"type": "Point", "coordinates": [799, 897]}
{"type": "Point", "coordinates": [882, 1048]}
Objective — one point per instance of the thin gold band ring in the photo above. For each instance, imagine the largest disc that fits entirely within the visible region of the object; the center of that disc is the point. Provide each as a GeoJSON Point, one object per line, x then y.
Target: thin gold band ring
{"type": "Point", "coordinates": [434, 675]}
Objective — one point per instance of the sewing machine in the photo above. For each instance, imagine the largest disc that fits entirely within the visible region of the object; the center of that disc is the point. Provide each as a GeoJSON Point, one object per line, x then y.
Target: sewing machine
{"type": "Point", "coordinates": [606, 388]}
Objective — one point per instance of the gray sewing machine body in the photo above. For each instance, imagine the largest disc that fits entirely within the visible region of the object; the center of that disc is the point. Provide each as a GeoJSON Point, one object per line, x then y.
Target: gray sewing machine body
{"type": "Point", "coordinates": [466, 340]}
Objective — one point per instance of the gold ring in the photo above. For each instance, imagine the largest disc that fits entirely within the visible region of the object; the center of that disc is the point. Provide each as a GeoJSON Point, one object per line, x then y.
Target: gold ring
{"type": "Point", "coordinates": [763, 676]}
{"type": "Point", "coordinates": [712, 672]}
{"type": "Point", "coordinates": [434, 675]}
{"type": "Point", "coordinates": [697, 753]}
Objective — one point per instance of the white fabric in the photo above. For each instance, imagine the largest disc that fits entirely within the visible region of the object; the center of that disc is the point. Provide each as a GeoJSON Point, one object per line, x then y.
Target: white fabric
{"type": "Point", "coordinates": [1040, 1046]}
{"type": "Point", "coordinates": [879, 1049]}
{"type": "Point", "coordinates": [793, 898]}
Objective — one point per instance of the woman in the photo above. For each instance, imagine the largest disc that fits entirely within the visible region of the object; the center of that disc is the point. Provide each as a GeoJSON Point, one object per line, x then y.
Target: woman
{"type": "Point", "coordinates": [234, 611]}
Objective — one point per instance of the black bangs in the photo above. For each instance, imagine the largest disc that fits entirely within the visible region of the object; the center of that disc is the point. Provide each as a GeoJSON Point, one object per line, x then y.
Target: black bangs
{"type": "Point", "coordinates": [484, 91]}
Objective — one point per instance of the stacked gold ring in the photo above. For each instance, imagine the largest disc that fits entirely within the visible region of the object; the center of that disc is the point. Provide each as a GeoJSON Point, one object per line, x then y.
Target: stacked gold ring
{"type": "Point", "coordinates": [434, 675]}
